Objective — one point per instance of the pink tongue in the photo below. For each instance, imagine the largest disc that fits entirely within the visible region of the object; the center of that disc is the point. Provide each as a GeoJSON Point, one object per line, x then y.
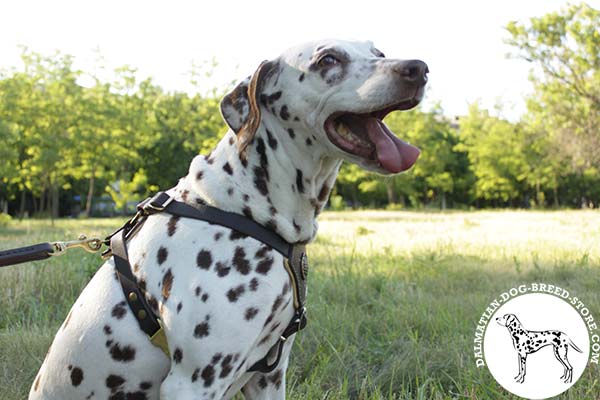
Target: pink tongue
{"type": "Point", "coordinates": [394, 154]}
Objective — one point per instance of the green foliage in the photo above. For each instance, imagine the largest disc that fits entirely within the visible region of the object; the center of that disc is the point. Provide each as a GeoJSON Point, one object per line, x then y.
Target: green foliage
{"type": "Point", "coordinates": [123, 192]}
{"type": "Point", "coordinates": [123, 136]}
{"type": "Point", "coordinates": [4, 219]}
{"type": "Point", "coordinates": [563, 48]}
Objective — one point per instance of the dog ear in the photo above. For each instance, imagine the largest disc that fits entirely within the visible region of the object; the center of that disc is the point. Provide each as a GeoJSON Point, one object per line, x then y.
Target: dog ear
{"type": "Point", "coordinates": [240, 108]}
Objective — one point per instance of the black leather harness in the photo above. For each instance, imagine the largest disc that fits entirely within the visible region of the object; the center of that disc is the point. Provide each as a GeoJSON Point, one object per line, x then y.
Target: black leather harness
{"type": "Point", "coordinates": [295, 262]}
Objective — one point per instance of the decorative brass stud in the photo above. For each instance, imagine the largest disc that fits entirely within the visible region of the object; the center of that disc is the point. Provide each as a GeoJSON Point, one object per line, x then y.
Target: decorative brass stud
{"type": "Point", "coordinates": [141, 314]}
{"type": "Point", "coordinates": [133, 296]}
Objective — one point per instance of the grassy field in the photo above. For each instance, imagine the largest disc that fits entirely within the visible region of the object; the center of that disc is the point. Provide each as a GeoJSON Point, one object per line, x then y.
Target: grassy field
{"type": "Point", "coordinates": [394, 298]}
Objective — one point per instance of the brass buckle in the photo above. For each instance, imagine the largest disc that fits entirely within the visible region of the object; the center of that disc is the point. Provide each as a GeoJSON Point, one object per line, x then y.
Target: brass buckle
{"type": "Point", "coordinates": [159, 339]}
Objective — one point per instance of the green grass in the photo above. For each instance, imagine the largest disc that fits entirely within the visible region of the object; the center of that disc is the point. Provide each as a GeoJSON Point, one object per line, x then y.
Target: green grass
{"type": "Point", "coordinates": [394, 298]}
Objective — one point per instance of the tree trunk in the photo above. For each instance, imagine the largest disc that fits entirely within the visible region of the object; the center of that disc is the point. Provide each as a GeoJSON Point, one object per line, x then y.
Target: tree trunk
{"type": "Point", "coordinates": [55, 206]}
{"type": "Point", "coordinates": [90, 195]}
{"type": "Point", "coordinates": [22, 205]}
{"type": "Point", "coordinates": [443, 201]}
{"type": "Point", "coordinates": [391, 194]}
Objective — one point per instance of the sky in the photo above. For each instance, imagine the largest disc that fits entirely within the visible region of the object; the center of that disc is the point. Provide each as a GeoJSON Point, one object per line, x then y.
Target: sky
{"type": "Point", "coordinates": [460, 40]}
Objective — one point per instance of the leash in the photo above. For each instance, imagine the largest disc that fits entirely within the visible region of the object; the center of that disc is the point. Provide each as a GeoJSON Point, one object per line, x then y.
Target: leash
{"type": "Point", "coordinates": [41, 251]}
{"type": "Point", "coordinates": [295, 263]}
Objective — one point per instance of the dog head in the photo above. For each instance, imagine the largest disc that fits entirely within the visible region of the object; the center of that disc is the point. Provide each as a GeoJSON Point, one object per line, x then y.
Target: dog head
{"type": "Point", "coordinates": [336, 93]}
{"type": "Point", "coordinates": [508, 320]}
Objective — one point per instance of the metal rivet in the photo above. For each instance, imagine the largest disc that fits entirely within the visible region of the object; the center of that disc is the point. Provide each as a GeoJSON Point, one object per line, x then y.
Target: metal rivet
{"type": "Point", "coordinates": [141, 314]}
{"type": "Point", "coordinates": [133, 296]}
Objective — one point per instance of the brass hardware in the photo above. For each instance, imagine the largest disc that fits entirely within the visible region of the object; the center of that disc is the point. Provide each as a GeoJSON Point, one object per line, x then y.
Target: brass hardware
{"type": "Point", "coordinates": [141, 314]}
{"type": "Point", "coordinates": [159, 339]}
{"type": "Point", "coordinates": [133, 296]}
{"type": "Point", "coordinates": [91, 245]}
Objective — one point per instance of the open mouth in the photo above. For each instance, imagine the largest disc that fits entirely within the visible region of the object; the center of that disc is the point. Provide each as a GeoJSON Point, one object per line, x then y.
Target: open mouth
{"type": "Point", "coordinates": [366, 136]}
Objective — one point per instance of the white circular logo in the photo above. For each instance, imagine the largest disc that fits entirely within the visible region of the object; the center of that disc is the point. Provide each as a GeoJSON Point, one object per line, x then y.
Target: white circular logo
{"type": "Point", "coordinates": [536, 345]}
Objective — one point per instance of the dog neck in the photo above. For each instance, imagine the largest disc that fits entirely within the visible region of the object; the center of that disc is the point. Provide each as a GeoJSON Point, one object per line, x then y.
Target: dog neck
{"type": "Point", "coordinates": [282, 182]}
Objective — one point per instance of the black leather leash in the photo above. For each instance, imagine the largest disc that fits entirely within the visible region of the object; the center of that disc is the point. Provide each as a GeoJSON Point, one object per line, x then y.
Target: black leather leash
{"type": "Point", "coordinates": [295, 263]}
{"type": "Point", "coordinates": [41, 251]}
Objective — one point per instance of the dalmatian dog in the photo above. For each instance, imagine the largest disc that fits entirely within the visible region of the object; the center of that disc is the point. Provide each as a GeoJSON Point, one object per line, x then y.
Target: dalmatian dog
{"type": "Point", "coordinates": [225, 298]}
{"type": "Point", "coordinates": [528, 342]}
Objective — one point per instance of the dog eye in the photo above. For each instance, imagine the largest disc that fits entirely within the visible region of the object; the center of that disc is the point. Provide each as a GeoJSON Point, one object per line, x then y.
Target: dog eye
{"type": "Point", "coordinates": [328, 60]}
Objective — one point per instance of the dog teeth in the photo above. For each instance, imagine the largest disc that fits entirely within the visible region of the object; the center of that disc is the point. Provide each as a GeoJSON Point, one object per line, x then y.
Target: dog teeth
{"type": "Point", "coordinates": [343, 130]}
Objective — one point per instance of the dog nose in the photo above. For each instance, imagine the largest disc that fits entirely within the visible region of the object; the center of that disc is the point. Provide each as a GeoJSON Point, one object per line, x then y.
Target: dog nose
{"type": "Point", "coordinates": [414, 71]}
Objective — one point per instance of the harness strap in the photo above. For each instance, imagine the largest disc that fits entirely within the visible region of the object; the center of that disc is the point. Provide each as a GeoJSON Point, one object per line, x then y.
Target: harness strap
{"type": "Point", "coordinates": [163, 202]}
{"type": "Point", "coordinates": [295, 263]}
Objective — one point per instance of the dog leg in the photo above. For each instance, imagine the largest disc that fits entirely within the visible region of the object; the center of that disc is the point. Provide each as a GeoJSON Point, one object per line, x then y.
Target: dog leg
{"type": "Point", "coordinates": [565, 368]}
{"type": "Point", "coordinates": [562, 353]}
{"type": "Point", "coordinates": [269, 386]}
{"type": "Point", "coordinates": [522, 366]}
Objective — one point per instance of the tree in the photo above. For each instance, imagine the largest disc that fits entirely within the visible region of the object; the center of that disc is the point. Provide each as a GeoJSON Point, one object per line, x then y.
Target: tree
{"type": "Point", "coordinates": [564, 49]}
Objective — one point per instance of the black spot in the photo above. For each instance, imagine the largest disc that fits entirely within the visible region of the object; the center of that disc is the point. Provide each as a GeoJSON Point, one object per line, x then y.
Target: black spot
{"type": "Point", "coordinates": [222, 269]}
{"type": "Point", "coordinates": [262, 151]}
{"type": "Point", "coordinates": [246, 198]}
{"type": "Point", "coordinates": [204, 297]}
{"type": "Point", "coordinates": [262, 382]}
{"type": "Point", "coordinates": [284, 113]}
{"type": "Point", "coordinates": [227, 168]}
{"type": "Point", "coordinates": [199, 175]}
{"type": "Point", "coordinates": [235, 235]}
{"type": "Point", "coordinates": [234, 293]}
{"type": "Point", "coordinates": [276, 379]}
{"type": "Point", "coordinates": [271, 140]}
{"type": "Point", "coordinates": [167, 283]}
{"type": "Point", "coordinates": [230, 191]}
{"type": "Point", "coordinates": [161, 255]}
{"type": "Point", "coordinates": [260, 181]}
{"type": "Point", "coordinates": [226, 366]}
{"type": "Point", "coordinates": [264, 266]}
{"type": "Point", "coordinates": [218, 235]}
{"type": "Point", "coordinates": [172, 225]}
{"type": "Point", "coordinates": [263, 251]}
{"type": "Point", "coordinates": [308, 142]}
{"type": "Point", "coordinates": [253, 284]}
{"type": "Point", "coordinates": [145, 385]}
{"type": "Point", "coordinates": [216, 358]}
{"type": "Point", "coordinates": [242, 265]}
{"type": "Point", "coordinates": [271, 225]}
{"type": "Point", "coordinates": [123, 354]}
{"type": "Point", "coordinates": [76, 376]}
{"type": "Point", "coordinates": [107, 330]}
{"type": "Point", "coordinates": [272, 210]}
{"type": "Point", "coordinates": [291, 133]}
{"type": "Point", "coordinates": [179, 307]}
{"type": "Point", "coordinates": [119, 310]}
{"type": "Point", "coordinates": [114, 381]}
{"type": "Point", "coordinates": [323, 193]}
{"type": "Point", "coordinates": [276, 303]}
{"type": "Point", "coordinates": [202, 330]}
{"type": "Point", "coordinates": [208, 375]}
{"type": "Point", "coordinates": [177, 355]}
{"type": "Point", "coordinates": [247, 212]}
{"type": "Point", "coordinates": [299, 182]}
{"type": "Point", "coordinates": [195, 375]}
{"type": "Point", "coordinates": [198, 290]}
{"type": "Point", "coordinates": [250, 313]}
{"type": "Point", "coordinates": [204, 259]}
{"type": "Point", "coordinates": [301, 77]}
